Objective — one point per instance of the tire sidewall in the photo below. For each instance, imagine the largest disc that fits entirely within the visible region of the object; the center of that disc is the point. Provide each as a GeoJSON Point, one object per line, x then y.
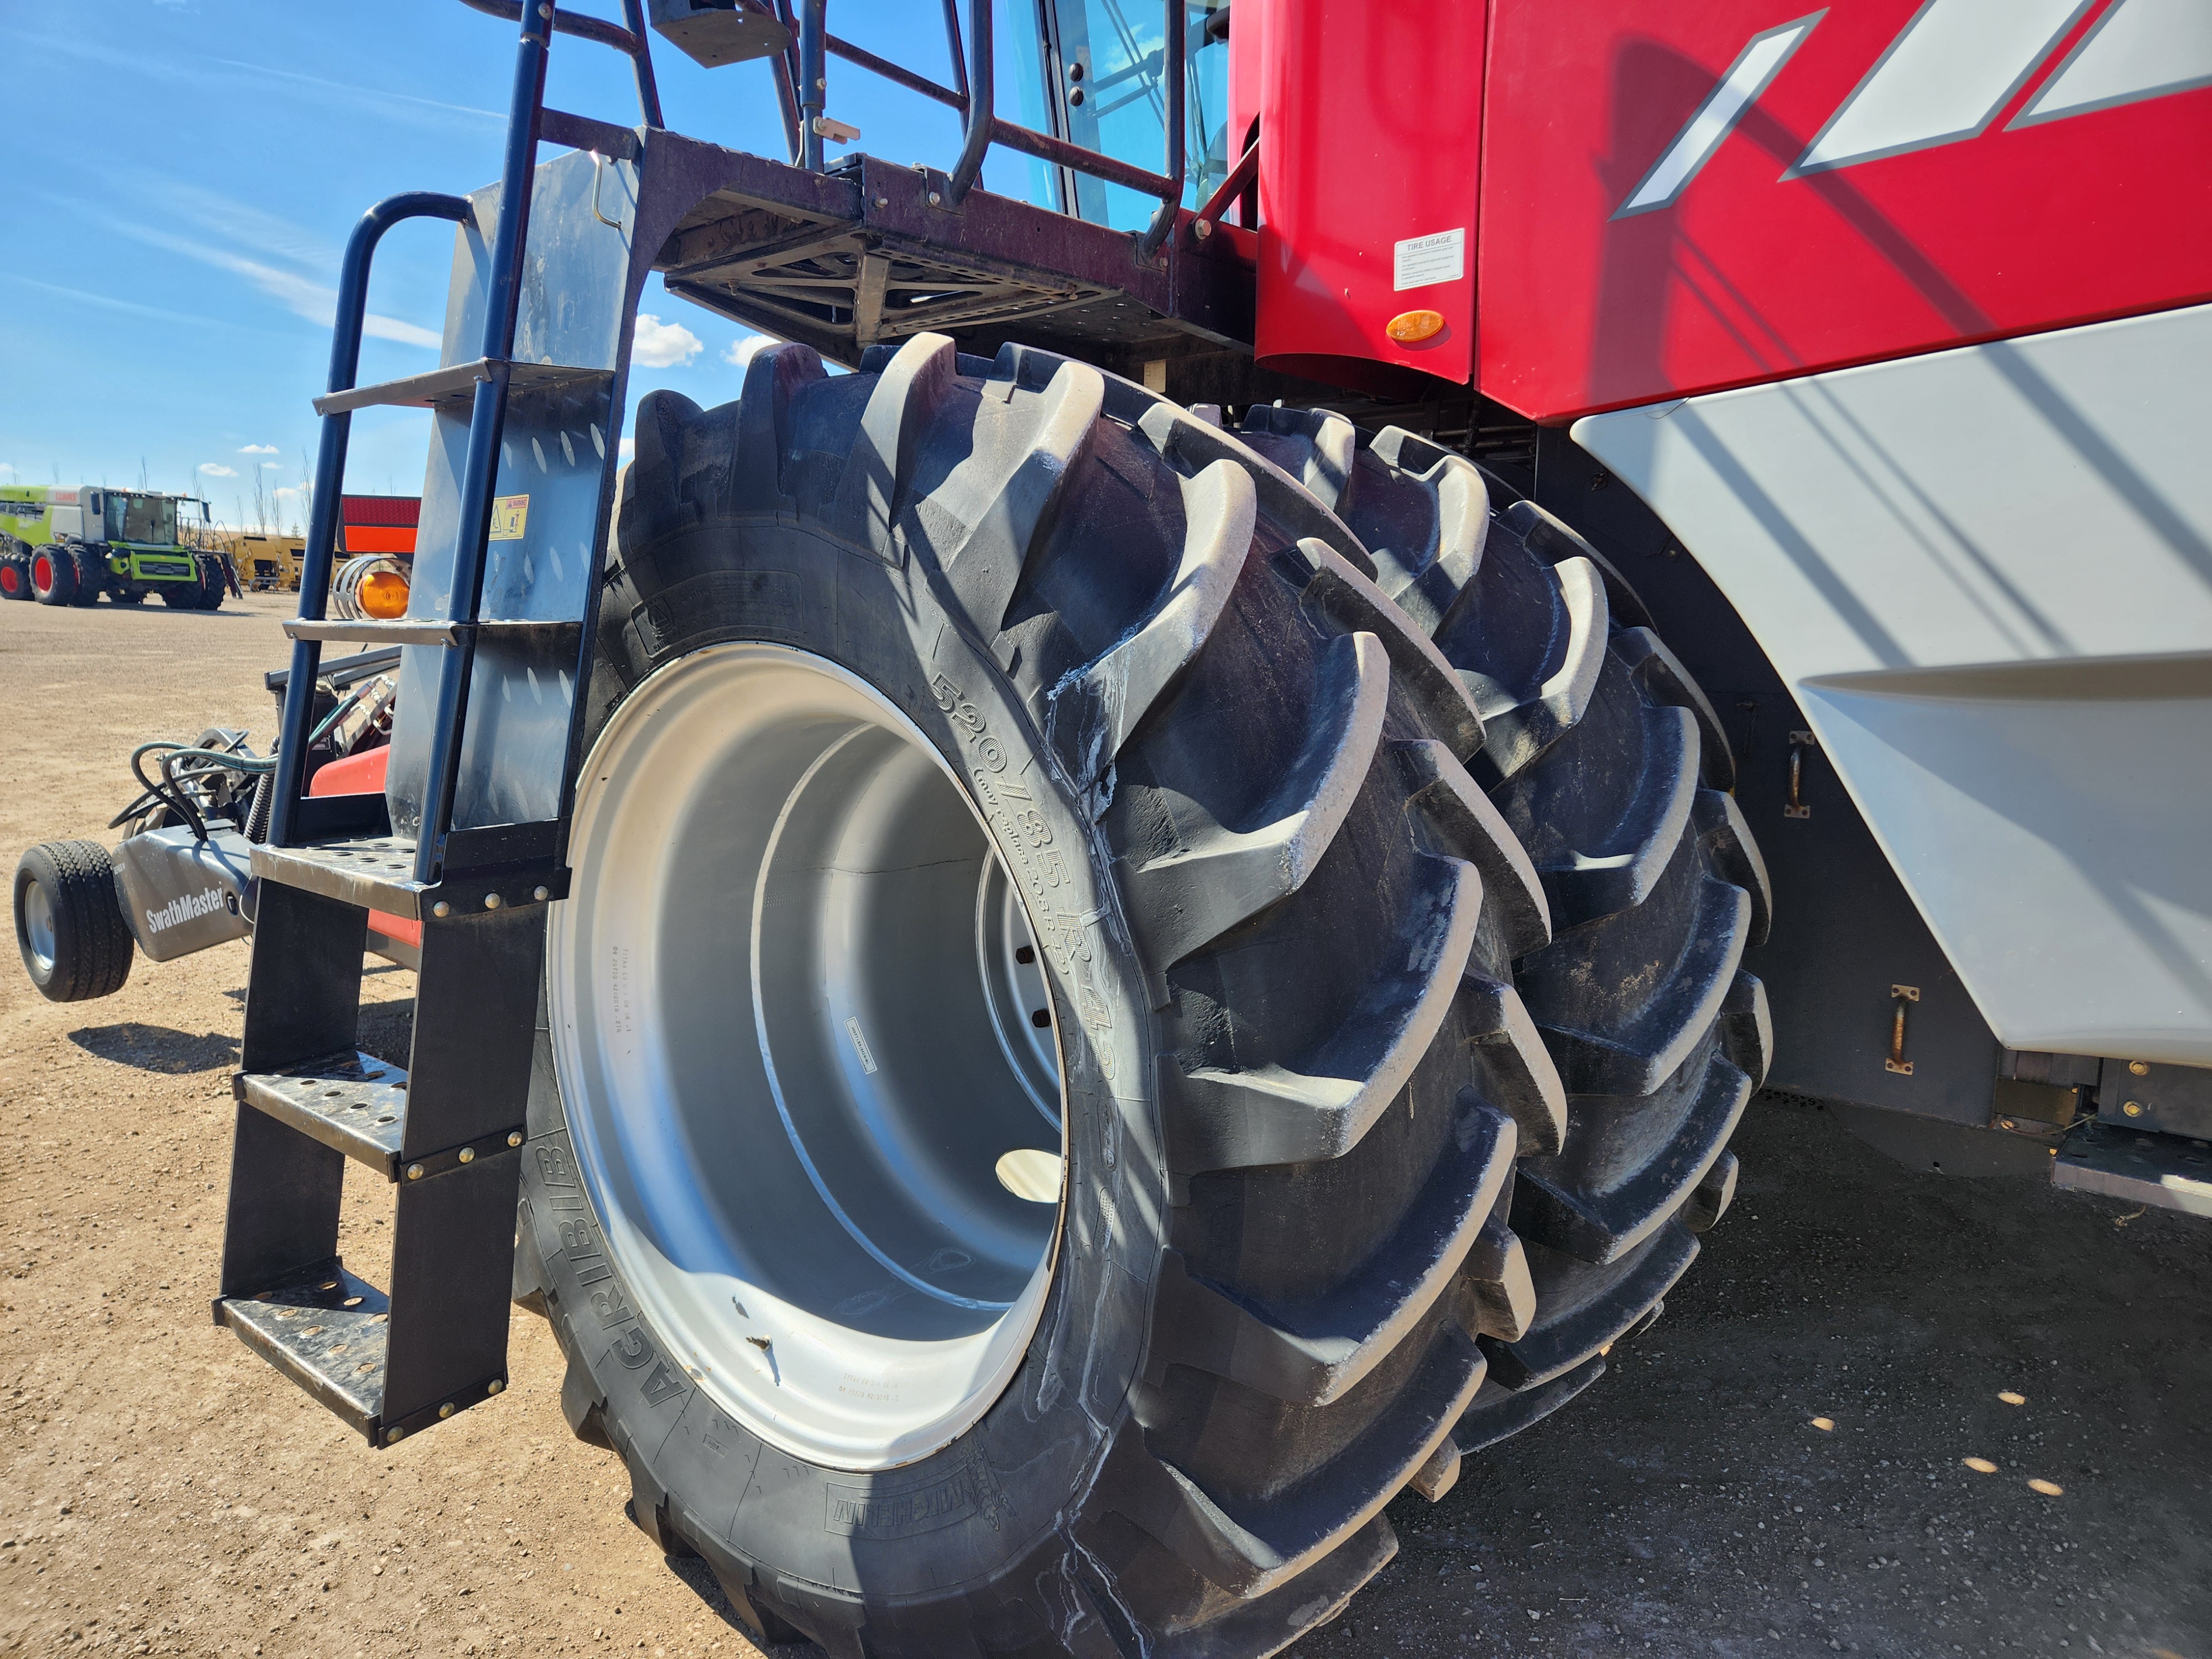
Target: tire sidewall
{"type": "Point", "coordinates": [959, 1515]}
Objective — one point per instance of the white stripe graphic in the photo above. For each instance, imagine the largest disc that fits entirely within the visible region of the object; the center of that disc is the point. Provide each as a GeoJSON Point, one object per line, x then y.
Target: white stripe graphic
{"type": "Point", "coordinates": [1755, 66]}
{"type": "Point", "coordinates": [1945, 77]}
{"type": "Point", "coordinates": [2139, 49]}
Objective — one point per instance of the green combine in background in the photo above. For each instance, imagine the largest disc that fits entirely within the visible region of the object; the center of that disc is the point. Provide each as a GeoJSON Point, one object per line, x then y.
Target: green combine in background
{"type": "Point", "coordinates": [69, 546]}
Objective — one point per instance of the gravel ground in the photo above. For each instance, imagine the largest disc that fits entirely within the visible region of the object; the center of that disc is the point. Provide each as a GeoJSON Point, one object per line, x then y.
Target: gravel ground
{"type": "Point", "coordinates": [1780, 1466]}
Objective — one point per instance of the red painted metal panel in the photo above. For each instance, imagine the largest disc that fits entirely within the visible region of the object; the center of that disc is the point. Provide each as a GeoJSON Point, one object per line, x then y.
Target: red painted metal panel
{"type": "Point", "coordinates": [363, 775]}
{"type": "Point", "coordinates": [1369, 118]}
{"type": "Point", "coordinates": [397, 510]}
{"type": "Point", "coordinates": [380, 538]}
{"type": "Point", "coordinates": [1750, 277]}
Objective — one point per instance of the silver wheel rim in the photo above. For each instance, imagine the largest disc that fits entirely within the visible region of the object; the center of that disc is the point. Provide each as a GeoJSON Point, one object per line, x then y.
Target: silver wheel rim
{"type": "Point", "coordinates": [38, 924]}
{"type": "Point", "coordinates": [808, 1056]}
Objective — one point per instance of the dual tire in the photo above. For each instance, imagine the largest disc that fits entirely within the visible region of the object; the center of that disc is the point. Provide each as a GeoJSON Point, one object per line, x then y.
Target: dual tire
{"type": "Point", "coordinates": [1385, 907]}
{"type": "Point", "coordinates": [204, 594]}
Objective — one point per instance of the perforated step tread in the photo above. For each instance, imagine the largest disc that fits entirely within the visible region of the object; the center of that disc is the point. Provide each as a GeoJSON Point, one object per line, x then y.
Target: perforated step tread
{"type": "Point", "coordinates": [327, 1331]}
{"type": "Point", "coordinates": [424, 630]}
{"type": "Point", "coordinates": [351, 1100]}
{"type": "Point", "coordinates": [375, 872]}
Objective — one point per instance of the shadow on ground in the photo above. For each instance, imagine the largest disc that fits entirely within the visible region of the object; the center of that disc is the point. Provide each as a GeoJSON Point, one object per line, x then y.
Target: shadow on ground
{"type": "Point", "coordinates": [158, 1048]}
{"type": "Point", "coordinates": [1691, 1502]}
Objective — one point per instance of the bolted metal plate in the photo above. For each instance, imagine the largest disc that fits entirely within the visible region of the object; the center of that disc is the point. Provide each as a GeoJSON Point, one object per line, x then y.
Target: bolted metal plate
{"type": "Point", "coordinates": [714, 35]}
{"type": "Point", "coordinates": [327, 1331]}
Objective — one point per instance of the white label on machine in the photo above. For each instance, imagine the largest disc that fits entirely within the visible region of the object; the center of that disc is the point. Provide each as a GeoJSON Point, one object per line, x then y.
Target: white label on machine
{"type": "Point", "coordinates": [1422, 261]}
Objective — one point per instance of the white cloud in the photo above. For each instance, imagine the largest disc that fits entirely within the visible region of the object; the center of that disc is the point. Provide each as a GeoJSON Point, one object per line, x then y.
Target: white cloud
{"type": "Point", "coordinates": [268, 466]}
{"type": "Point", "coordinates": [258, 449]}
{"type": "Point", "coordinates": [287, 493]}
{"type": "Point", "coordinates": [215, 470]}
{"type": "Point", "coordinates": [129, 307]}
{"type": "Point", "coordinates": [741, 351]}
{"type": "Point", "coordinates": [663, 345]}
{"type": "Point", "coordinates": [225, 227]}
{"type": "Point", "coordinates": [329, 98]}
{"type": "Point", "coordinates": [6, 468]}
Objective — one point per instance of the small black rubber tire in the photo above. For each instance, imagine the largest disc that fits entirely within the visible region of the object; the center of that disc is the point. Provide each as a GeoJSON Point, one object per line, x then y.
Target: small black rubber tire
{"type": "Point", "coordinates": [15, 575]}
{"type": "Point", "coordinates": [53, 575]}
{"type": "Point", "coordinates": [194, 595]}
{"type": "Point", "coordinates": [91, 942]}
{"type": "Point", "coordinates": [1288, 922]}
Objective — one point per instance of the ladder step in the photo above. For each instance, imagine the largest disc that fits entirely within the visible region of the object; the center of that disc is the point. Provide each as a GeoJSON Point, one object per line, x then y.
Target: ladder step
{"type": "Point", "coordinates": [357, 1104]}
{"type": "Point", "coordinates": [2165, 1171]}
{"type": "Point", "coordinates": [426, 630]}
{"type": "Point", "coordinates": [453, 388]}
{"type": "Point", "coordinates": [327, 1331]}
{"type": "Point", "coordinates": [351, 1100]}
{"type": "Point", "coordinates": [374, 871]}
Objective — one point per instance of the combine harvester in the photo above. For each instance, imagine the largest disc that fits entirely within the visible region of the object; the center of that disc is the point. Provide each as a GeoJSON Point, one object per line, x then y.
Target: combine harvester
{"type": "Point", "coordinates": [1079, 954]}
{"type": "Point", "coordinates": [70, 546]}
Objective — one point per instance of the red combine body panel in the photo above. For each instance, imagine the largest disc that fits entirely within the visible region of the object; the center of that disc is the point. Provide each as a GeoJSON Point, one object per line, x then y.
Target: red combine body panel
{"type": "Point", "coordinates": [1900, 178]}
{"type": "Point", "coordinates": [1368, 215]}
{"type": "Point", "coordinates": [1672, 200]}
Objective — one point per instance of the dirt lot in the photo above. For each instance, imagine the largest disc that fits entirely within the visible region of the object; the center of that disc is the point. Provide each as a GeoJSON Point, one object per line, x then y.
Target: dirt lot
{"type": "Point", "coordinates": [1777, 1468]}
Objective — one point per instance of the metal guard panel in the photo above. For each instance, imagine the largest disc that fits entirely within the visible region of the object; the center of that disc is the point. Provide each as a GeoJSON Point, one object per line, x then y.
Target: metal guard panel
{"type": "Point", "coordinates": [1986, 576]}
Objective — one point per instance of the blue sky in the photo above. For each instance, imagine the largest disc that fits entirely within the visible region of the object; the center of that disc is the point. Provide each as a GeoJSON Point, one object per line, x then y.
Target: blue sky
{"type": "Point", "coordinates": [180, 191]}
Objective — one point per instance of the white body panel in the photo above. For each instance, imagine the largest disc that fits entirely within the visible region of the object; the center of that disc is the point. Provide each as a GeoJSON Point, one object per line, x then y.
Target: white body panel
{"type": "Point", "coordinates": [1986, 576]}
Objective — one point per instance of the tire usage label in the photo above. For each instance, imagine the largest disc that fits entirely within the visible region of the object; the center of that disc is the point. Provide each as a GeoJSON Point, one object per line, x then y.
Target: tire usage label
{"type": "Point", "coordinates": [1425, 261]}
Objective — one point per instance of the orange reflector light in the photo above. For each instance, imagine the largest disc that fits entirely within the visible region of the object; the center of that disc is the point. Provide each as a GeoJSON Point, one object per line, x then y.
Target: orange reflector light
{"type": "Point", "coordinates": [383, 595]}
{"type": "Point", "coordinates": [1411, 327]}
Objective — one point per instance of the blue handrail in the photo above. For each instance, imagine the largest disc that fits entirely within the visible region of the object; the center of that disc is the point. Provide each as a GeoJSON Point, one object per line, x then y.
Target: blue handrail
{"type": "Point", "coordinates": [330, 485]}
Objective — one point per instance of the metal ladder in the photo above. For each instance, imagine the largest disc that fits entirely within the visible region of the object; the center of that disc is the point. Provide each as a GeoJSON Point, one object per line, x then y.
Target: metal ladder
{"type": "Point", "coordinates": [470, 838]}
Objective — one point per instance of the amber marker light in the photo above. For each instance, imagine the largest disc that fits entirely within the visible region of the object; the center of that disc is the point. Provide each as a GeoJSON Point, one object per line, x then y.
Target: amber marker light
{"type": "Point", "coordinates": [383, 595]}
{"type": "Point", "coordinates": [1411, 327]}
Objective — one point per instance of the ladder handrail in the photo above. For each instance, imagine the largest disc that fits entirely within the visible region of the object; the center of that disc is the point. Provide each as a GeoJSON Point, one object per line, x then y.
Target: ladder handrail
{"type": "Point", "coordinates": [487, 420]}
{"type": "Point", "coordinates": [632, 41]}
{"type": "Point", "coordinates": [330, 483]}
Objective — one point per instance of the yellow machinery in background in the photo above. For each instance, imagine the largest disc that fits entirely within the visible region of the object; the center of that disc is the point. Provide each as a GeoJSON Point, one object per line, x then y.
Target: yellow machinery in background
{"type": "Point", "coordinates": [265, 562]}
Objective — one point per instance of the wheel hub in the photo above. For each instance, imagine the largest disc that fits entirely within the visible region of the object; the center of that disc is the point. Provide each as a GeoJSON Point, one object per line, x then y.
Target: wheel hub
{"type": "Point", "coordinates": [808, 1055]}
{"type": "Point", "coordinates": [38, 926]}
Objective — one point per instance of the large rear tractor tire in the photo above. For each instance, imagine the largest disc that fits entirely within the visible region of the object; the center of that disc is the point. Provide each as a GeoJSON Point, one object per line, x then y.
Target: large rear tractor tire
{"type": "Point", "coordinates": [1024, 1159]}
{"type": "Point", "coordinates": [53, 575]}
{"type": "Point", "coordinates": [14, 575]}
{"type": "Point", "coordinates": [70, 927]}
{"type": "Point", "coordinates": [1613, 771]}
